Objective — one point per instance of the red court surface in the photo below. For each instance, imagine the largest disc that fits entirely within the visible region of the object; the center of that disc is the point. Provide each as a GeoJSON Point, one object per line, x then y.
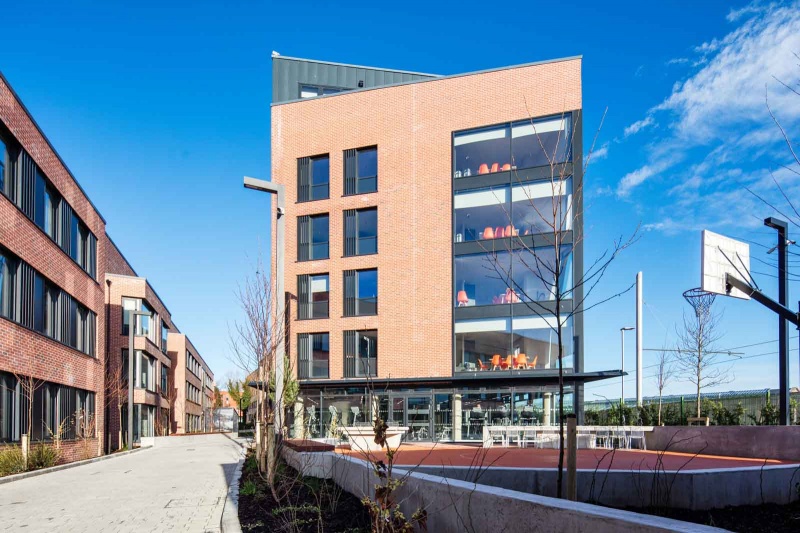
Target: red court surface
{"type": "Point", "coordinates": [638, 460]}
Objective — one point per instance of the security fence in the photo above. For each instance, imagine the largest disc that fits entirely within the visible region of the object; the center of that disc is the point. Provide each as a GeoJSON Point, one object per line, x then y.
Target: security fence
{"type": "Point", "coordinates": [749, 407]}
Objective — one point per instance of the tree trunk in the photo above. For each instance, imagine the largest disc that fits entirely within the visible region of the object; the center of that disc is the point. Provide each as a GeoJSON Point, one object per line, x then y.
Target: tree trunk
{"type": "Point", "coordinates": [560, 479]}
{"type": "Point", "coordinates": [659, 407]}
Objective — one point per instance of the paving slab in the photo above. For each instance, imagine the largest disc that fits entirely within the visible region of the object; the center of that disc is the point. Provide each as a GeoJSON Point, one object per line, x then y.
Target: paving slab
{"type": "Point", "coordinates": [179, 485]}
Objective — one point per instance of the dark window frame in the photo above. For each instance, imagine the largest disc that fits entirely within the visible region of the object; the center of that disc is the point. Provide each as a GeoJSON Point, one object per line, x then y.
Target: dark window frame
{"type": "Point", "coordinates": [305, 355]}
{"type": "Point", "coordinates": [352, 224]}
{"type": "Point", "coordinates": [305, 237]}
{"type": "Point", "coordinates": [352, 302]}
{"type": "Point", "coordinates": [355, 356]}
{"type": "Point", "coordinates": [307, 307]}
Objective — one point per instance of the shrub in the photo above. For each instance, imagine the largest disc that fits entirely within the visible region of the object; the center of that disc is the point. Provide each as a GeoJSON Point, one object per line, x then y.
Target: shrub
{"type": "Point", "coordinates": [11, 461]}
{"type": "Point", "coordinates": [248, 488]}
{"type": "Point", "coordinates": [43, 456]}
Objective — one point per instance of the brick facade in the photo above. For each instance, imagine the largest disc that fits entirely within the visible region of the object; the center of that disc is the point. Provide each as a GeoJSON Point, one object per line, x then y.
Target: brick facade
{"type": "Point", "coordinates": [411, 125]}
{"type": "Point", "coordinates": [26, 352]}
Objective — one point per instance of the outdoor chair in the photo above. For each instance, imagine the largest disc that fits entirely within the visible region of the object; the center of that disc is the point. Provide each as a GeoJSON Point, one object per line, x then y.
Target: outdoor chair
{"type": "Point", "coordinates": [497, 435]}
{"type": "Point", "coordinates": [482, 365]}
{"type": "Point", "coordinates": [356, 413]}
{"type": "Point", "coordinates": [521, 362]}
{"type": "Point", "coordinates": [528, 437]}
{"type": "Point", "coordinates": [637, 435]}
{"type": "Point", "coordinates": [602, 438]}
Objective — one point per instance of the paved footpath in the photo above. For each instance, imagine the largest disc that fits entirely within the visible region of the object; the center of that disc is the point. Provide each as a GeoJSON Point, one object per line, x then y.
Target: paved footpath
{"type": "Point", "coordinates": [179, 485]}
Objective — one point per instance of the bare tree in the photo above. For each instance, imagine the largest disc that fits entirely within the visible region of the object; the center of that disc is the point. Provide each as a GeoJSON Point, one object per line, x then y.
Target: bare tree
{"type": "Point", "coordinates": [696, 358]}
{"type": "Point", "coordinates": [28, 386]}
{"type": "Point", "coordinates": [253, 346]}
{"type": "Point", "coordinates": [116, 388]}
{"type": "Point", "coordinates": [665, 370]}
{"type": "Point", "coordinates": [543, 249]}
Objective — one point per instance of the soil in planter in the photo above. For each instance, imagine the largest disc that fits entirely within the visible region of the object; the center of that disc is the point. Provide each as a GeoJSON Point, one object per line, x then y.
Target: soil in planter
{"type": "Point", "coordinates": [745, 519]}
{"type": "Point", "coordinates": [305, 503]}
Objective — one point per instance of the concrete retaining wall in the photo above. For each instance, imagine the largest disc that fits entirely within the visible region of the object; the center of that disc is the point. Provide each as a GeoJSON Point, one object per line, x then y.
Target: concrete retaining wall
{"type": "Point", "coordinates": [454, 505]}
{"type": "Point", "coordinates": [764, 442]}
{"type": "Point", "coordinates": [696, 489]}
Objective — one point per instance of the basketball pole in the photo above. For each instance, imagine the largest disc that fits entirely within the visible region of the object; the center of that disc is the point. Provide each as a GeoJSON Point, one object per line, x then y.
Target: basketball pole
{"type": "Point", "coordinates": [783, 326]}
{"type": "Point", "coordinates": [639, 339]}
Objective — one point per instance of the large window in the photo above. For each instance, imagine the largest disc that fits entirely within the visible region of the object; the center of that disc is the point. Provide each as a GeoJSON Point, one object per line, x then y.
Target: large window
{"type": "Point", "coordinates": [483, 279]}
{"type": "Point", "coordinates": [312, 296]}
{"type": "Point", "coordinates": [361, 171]}
{"type": "Point", "coordinates": [510, 277]}
{"type": "Point", "coordinates": [147, 372]}
{"type": "Point", "coordinates": [44, 307]}
{"type": "Point", "coordinates": [313, 353]}
{"type": "Point", "coordinates": [361, 292]}
{"type": "Point", "coordinates": [164, 380]}
{"type": "Point", "coordinates": [313, 178]}
{"type": "Point", "coordinates": [54, 406]}
{"type": "Point", "coordinates": [360, 353]}
{"type": "Point", "coordinates": [46, 205]}
{"type": "Point", "coordinates": [510, 147]}
{"type": "Point", "coordinates": [145, 324]}
{"type": "Point", "coordinates": [511, 211]}
{"type": "Point", "coordinates": [3, 165]}
{"type": "Point", "coordinates": [164, 336]}
{"type": "Point", "coordinates": [505, 344]}
{"type": "Point", "coordinates": [361, 231]}
{"type": "Point", "coordinates": [8, 269]}
{"type": "Point", "coordinates": [312, 237]}
{"type": "Point", "coordinates": [27, 186]}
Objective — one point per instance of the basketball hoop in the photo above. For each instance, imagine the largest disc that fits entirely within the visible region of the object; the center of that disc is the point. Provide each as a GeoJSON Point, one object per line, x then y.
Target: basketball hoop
{"type": "Point", "coordinates": [700, 300]}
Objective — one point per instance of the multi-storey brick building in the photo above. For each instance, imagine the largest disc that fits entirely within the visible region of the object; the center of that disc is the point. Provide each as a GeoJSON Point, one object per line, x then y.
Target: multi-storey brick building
{"type": "Point", "coordinates": [194, 382]}
{"type": "Point", "coordinates": [63, 288]}
{"type": "Point", "coordinates": [417, 202]}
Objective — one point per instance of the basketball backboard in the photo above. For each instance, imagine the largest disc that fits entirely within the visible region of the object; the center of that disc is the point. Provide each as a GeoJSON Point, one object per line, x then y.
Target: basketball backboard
{"type": "Point", "coordinates": [721, 255]}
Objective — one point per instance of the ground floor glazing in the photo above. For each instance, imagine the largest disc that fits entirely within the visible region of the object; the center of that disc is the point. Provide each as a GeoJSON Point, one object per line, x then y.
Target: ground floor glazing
{"type": "Point", "coordinates": [430, 414]}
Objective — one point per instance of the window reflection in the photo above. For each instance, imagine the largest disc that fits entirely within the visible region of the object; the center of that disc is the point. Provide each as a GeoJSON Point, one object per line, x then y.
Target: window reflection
{"type": "Point", "coordinates": [537, 143]}
{"type": "Point", "coordinates": [481, 279]}
{"type": "Point", "coordinates": [506, 344]}
{"type": "Point", "coordinates": [482, 151]}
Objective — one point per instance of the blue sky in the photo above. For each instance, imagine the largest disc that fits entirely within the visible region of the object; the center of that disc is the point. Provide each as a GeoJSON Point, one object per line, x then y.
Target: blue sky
{"type": "Point", "coordinates": [160, 108]}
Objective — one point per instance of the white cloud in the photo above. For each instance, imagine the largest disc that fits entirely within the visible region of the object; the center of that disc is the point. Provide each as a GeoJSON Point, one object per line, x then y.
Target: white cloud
{"type": "Point", "coordinates": [639, 125]}
{"type": "Point", "coordinates": [600, 153]}
{"type": "Point", "coordinates": [719, 114]}
{"type": "Point", "coordinates": [678, 61]}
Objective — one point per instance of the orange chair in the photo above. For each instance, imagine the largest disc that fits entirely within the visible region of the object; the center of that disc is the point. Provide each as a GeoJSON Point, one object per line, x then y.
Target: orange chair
{"type": "Point", "coordinates": [496, 362]}
{"type": "Point", "coordinates": [508, 363]}
{"type": "Point", "coordinates": [521, 361]}
{"type": "Point", "coordinates": [483, 169]}
{"type": "Point", "coordinates": [462, 298]}
{"type": "Point", "coordinates": [499, 233]}
{"type": "Point", "coordinates": [495, 167]}
{"type": "Point", "coordinates": [482, 365]}
{"type": "Point", "coordinates": [488, 233]}
{"type": "Point", "coordinates": [533, 363]}
{"type": "Point", "coordinates": [506, 167]}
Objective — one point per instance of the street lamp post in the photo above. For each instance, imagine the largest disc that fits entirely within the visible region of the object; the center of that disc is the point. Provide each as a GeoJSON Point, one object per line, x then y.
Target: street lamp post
{"type": "Point", "coordinates": [622, 378]}
{"type": "Point", "coordinates": [132, 314]}
{"type": "Point", "coordinates": [278, 190]}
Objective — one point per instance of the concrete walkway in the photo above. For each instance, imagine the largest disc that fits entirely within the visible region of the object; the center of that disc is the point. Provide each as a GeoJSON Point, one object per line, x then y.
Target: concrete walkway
{"type": "Point", "coordinates": [179, 485]}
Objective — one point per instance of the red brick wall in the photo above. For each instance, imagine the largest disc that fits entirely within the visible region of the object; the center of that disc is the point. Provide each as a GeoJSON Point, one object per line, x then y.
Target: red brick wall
{"type": "Point", "coordinates": [133, 287]}
{"type": "Point", "coordinates": [24, 351]}
{"type": "Point", "coordinates": [412, 126]}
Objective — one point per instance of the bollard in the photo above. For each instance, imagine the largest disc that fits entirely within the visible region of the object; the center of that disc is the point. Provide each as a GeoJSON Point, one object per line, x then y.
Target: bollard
{"type": "Point", "coordinates": [572, 457]}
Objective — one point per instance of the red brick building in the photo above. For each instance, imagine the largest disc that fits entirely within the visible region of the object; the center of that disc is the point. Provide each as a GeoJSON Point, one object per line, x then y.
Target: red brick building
{"type": "Point", "coordinates": [402, 188]}
{"type": "Point", "coordinates": [63, 285]}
